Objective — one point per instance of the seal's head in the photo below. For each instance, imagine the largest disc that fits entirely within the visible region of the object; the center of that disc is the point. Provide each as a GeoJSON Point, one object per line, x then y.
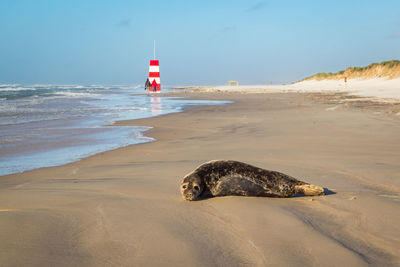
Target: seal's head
{"type": "Point", "coordinates": [191, 187]}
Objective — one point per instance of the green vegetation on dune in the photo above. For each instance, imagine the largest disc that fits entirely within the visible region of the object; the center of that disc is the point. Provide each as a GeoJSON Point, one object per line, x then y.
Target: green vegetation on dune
{"type": "Point", "coordinates": [390, 63]}
{"type": "Point", "coordinates": [389, 69]}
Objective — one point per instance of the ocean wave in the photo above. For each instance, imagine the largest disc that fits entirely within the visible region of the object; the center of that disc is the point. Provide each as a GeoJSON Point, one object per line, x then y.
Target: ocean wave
{"type": "Point", "coordinates": [77, 94]}
{"type": "Point", "coordinates": [9, 85]}
{"type": "Point", "coordinates": [65, 86]}
{"type": "Point", "coordinates": [16, 88]}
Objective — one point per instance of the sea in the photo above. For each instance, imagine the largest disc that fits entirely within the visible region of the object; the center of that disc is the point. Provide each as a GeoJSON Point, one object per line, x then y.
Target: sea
{"type": "Point", "coordinates": [51, 125]}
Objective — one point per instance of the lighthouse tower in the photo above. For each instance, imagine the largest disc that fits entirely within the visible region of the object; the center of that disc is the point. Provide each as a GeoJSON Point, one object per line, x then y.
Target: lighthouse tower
{"type": "Point", "coordinates": [153, 84]}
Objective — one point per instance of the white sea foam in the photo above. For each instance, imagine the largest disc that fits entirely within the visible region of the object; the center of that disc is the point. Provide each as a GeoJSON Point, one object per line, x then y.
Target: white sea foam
{"type": "Point", "coordinates": [9, 85]}
{"type": "Point", "coordinates": [16, 88]}
{"type": "Point", "coordinates": [76, 94]}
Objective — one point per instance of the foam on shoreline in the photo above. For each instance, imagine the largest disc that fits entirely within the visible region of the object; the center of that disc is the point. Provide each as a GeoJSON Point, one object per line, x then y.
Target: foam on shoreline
{"type": "Point", "coordinates": [55, 125]}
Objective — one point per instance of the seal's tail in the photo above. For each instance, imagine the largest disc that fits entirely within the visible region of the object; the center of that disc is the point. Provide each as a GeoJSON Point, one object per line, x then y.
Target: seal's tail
{"type": "Point", "coordinates": [309, 190]}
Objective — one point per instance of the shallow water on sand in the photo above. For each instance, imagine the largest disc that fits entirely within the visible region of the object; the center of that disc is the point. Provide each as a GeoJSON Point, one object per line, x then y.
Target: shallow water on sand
{"type": "Point", "coordinates": [50, 125]}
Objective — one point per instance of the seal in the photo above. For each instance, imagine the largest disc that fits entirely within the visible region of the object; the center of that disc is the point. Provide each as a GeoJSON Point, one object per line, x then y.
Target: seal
{"type": "Point", "coordinates": [233, 178]}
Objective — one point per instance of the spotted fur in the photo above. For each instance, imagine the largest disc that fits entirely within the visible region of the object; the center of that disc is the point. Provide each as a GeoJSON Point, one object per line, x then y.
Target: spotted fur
{"type": "Point", "coordinates": [234, 178]}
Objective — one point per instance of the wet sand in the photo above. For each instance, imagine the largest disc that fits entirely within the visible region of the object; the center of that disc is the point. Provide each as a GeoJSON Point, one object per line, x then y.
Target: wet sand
{"type": "Point", "coordinates": [123, 207]}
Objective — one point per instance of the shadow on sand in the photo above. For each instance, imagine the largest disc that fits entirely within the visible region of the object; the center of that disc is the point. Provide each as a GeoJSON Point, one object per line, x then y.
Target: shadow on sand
{"type": "Point", "coordinates": [327, 192]}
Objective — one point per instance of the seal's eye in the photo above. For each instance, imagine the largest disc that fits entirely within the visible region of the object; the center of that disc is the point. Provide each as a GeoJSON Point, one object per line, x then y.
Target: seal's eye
{"type": "Point", "coordinates": [196, 187]}
{"type": "Point", "coordinates": [184, 186]}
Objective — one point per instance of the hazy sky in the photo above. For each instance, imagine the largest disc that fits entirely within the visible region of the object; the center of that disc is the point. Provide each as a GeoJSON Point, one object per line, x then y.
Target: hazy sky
{"type": "Point", "coordinates": [198, 42]}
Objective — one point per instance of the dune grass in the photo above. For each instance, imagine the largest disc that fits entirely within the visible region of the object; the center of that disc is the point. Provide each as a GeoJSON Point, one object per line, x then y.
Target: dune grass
{"type": "Point", "coordinates": [389, 69]}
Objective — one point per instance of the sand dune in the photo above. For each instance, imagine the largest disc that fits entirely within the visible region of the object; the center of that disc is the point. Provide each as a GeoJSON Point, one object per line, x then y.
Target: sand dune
{"type": "Point", "coordinates": [386, 69]}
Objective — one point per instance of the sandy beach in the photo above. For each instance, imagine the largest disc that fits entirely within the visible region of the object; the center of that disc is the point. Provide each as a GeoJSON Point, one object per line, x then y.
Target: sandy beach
{"type": "Point", "coordinates": [123, 207]}
{"type": "Point", "coordinates": [376, 89]}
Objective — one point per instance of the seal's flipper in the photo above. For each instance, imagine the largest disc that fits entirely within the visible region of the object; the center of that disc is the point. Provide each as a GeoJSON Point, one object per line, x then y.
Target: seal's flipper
{"type": "Point", "coordinates": [309, 190]}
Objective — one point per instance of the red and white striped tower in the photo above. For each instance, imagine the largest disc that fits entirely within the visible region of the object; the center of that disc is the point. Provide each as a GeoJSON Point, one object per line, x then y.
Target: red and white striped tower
{"type": "Point", "coordinates": [154, 74]}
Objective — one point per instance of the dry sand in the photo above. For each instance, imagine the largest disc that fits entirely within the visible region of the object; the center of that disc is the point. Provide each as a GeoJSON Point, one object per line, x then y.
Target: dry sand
{"type": "Point", "coordinates": [123, 207]}
{"type": "Point", "coordinates": [378, 88]}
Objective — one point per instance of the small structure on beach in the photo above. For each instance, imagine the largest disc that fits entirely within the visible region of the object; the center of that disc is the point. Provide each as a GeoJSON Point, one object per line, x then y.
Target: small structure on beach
{"type": "Point", "coordinates": [233, 83]}
{"type": "Point", "coordinates": [153, 83]}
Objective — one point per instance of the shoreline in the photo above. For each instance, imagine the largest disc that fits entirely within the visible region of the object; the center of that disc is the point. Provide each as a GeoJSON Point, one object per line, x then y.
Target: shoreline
{"type": "Point", "coordinates": [123, 207]}
{"type": "Point", "coordinates": [81, 138]}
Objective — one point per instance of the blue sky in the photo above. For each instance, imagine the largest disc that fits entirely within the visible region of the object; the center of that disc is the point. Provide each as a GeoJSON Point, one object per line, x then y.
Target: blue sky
{"type": "Point", "coordinates": [198, 42]}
